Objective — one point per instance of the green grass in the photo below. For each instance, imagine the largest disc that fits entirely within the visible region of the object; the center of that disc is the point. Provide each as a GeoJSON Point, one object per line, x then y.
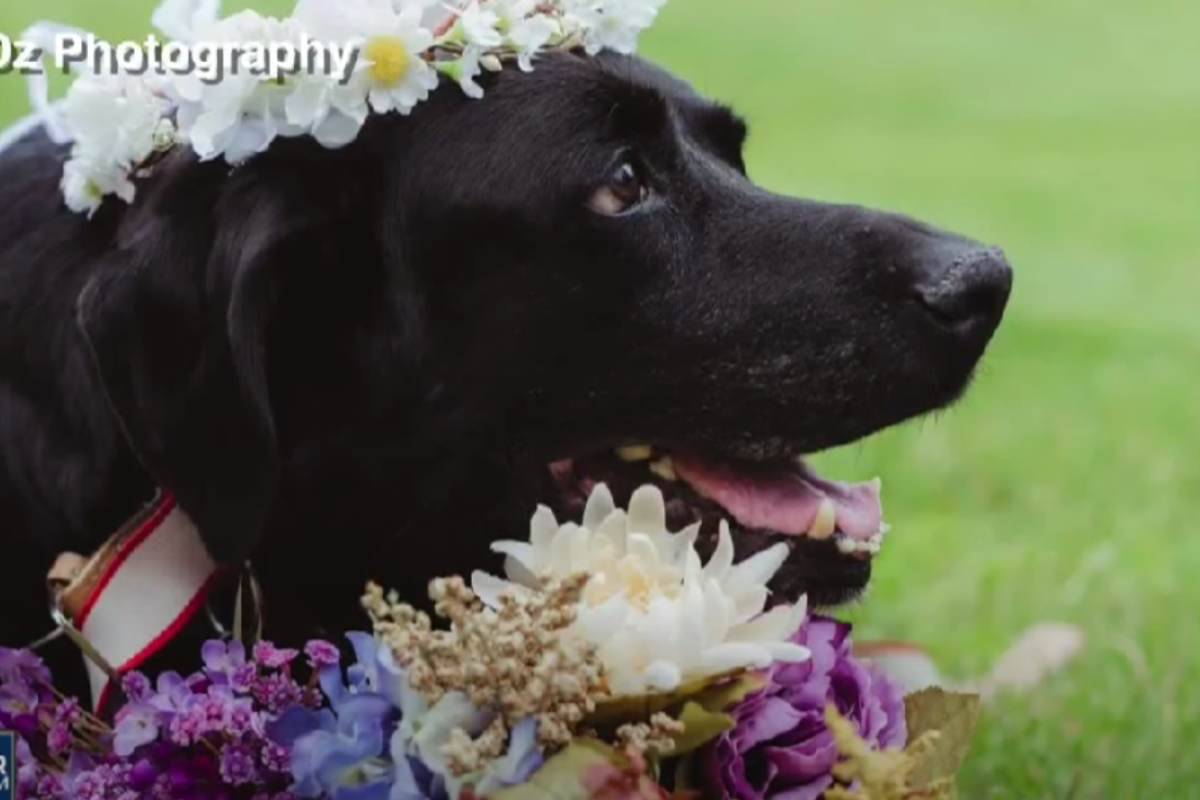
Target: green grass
{"type": "Point", "coordinates": [1066, 485]}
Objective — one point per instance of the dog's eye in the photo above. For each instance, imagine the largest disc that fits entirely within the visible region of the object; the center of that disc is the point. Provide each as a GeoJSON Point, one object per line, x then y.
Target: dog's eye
{"type": "Point", "coordinates": [624, 189]}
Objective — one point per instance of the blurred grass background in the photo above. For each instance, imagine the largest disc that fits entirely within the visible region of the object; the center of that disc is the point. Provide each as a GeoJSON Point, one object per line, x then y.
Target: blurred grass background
{"type": "Point", "coordinates": [1066, 485]}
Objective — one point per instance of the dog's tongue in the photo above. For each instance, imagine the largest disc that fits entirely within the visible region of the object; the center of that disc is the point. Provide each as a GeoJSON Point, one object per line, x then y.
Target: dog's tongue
{"type": "Point", "coordinates": [786, 498]}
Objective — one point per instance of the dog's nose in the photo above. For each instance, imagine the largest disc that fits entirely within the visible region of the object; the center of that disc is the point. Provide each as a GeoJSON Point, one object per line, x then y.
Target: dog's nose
{"type": "Point", "coordinates": [966, 287]}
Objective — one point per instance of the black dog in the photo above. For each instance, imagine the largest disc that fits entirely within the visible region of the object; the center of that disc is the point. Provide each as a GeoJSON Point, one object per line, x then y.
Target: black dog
{"type": "Point", "coordinates": [359, 363]}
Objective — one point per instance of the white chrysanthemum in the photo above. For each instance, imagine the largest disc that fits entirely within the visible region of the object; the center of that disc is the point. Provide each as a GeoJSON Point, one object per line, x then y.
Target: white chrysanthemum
{"type": "Point", "coordinates": [116, 123]}
{"type": "Point", "coordinates": [612, 24]}
{"type": "Point", "coordinates": [657, 615]}
{"type": "Point", "coordinates": [391, 73]}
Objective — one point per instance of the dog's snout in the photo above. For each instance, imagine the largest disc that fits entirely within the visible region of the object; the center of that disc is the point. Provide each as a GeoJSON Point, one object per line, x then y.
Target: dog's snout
{"type": "Point", "coordinates": [966, 288]}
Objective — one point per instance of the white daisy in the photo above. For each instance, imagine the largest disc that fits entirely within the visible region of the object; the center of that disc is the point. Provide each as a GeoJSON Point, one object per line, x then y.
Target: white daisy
{"type": "Point", "coordinates": [478, 25]}
{"type": "Point", "coordinates": [525, 29]}
{"type": "Point", "coordinates": [391, 74]}
{"type": "Point", "coordinates": [656, 614]}
{"type": "Point", "coordinates": [464, 70]}
{"type": "Point", "coordinates": [242, 114]}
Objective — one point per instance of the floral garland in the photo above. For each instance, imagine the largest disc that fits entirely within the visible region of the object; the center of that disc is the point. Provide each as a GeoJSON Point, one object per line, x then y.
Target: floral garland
{"type": "Point", "coordinates": [119, 122]}
{"type": "Point", "coordinates": [610, 664]}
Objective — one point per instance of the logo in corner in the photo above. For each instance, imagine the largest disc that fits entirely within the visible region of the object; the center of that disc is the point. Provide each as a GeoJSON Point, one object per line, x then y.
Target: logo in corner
{"type": "Point", "coordinates": [8, 765]}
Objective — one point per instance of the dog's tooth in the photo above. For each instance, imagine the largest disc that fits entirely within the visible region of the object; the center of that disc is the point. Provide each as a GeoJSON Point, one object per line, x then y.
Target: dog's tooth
{"type": "Point", "coordinates": [664, 468]}
{"type": "Point", "coordinates": [635, 452]}
{"type": "Point", "coordinates": [845, 545]}
{"type": "Point", "coordinates": [825, 523]}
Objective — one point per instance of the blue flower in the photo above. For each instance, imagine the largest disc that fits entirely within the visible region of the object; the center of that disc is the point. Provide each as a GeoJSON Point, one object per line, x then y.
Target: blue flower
{"type": "Point", "coordinates": [381, 740]}
{"type": "Point", "coordinates": [339, 755]}
{"type": "Point", "coordinates": [375, 670]}
{"type": "Point", "coordinates": [523, 758]}
{"type": "Point", "coordinates": [414, 780]}
{"type": "Point", "coordinates": [340, 752]}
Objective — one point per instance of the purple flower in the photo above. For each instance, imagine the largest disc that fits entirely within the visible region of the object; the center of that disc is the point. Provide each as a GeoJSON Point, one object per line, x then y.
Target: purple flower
{"type": "Point", "coordinates": [18, 699]}
{"type": "Point", "coordinates": [272, 657]}
{"type": "Point", "coordinates": [87, 780]}
{"type": "Point", "coordinates": [241, 680]}
{"type": "Point", "coordinates": [171, 693]}
{"type": "Point", "coordinates": [58, 738]}
{"type": "Point", "coordinates": [68, 712]}
{"type": "Point", "coordinates": [238, 765]}
{"type": "Point", "coordinates": [276, 757]}
{"type": "Point", "coordinates": [277, 692]}
{"type": "Point", "coordinates": [240, 718]}
{"type": "Point", "coordinates": [780, 746]}
{"type": "Point", "coordinates": [22, 666]}
{"type": "Point", "coordinates": [136, 686]}
{"type": "Point", "coordinates": [322, 654]}
{"type": "Point", "coordinates": [30, 773]}
{"type": "Point", "coordinates": [222, 659]}
{"type": "Point", "coordinates": [184, 738]}
{"type": "Point", "coordinates": [136, 725]}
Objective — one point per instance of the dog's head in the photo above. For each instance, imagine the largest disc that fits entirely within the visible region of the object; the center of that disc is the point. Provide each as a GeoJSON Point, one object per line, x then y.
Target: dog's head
{"type": "Point", "coordinates": [571, 281]}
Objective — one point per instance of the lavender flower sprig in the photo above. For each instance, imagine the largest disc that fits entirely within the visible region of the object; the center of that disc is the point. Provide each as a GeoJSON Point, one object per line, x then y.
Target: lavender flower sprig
{"type": "Point", "coordinates": [201, 737]}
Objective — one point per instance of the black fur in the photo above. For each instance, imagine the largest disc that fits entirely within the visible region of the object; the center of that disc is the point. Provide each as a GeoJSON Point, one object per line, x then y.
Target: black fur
{"type": "Point", "coordinates": [356, 363]}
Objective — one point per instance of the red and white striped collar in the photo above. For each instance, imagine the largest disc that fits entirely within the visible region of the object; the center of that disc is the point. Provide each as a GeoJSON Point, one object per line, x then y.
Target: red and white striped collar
{"type": "Point", "coordinates": [136, 594]}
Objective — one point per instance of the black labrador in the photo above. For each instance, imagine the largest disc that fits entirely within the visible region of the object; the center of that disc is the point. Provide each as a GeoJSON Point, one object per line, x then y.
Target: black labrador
{"type": "Point", "coordinates": [372, 362]}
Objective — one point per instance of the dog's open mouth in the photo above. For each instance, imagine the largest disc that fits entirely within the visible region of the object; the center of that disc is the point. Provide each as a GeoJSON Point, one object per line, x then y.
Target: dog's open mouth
{"type": "Point", "coordinates": [833, 528]}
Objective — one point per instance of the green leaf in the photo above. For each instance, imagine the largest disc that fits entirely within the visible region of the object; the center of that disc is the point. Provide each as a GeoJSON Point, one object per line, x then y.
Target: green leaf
{"type": "Point", "coordinates": [954, 716]}
{"type": "Point", "coordinates": [713, 694]}
{"type": "Point", "coordinates": [561, 778]}
{"type": "Point", "coordinates": [700, 726]}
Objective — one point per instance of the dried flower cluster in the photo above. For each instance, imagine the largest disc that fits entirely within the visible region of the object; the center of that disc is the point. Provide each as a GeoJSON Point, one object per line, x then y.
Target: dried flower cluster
{"type": "Point", "coordinates": [465, 755]}
{"type": "Point", "coordinates": [656, 738]}
{"type": "Point", "coordinates": [513, 660]}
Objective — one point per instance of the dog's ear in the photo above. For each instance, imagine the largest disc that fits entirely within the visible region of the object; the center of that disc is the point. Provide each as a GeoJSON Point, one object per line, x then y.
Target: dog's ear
{"type": "Point", "coordinates": [176, 325]}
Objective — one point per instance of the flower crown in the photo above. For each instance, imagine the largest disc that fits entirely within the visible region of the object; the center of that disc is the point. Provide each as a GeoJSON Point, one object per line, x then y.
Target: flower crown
{"type": "Point", "coordinates": [120, 122]}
